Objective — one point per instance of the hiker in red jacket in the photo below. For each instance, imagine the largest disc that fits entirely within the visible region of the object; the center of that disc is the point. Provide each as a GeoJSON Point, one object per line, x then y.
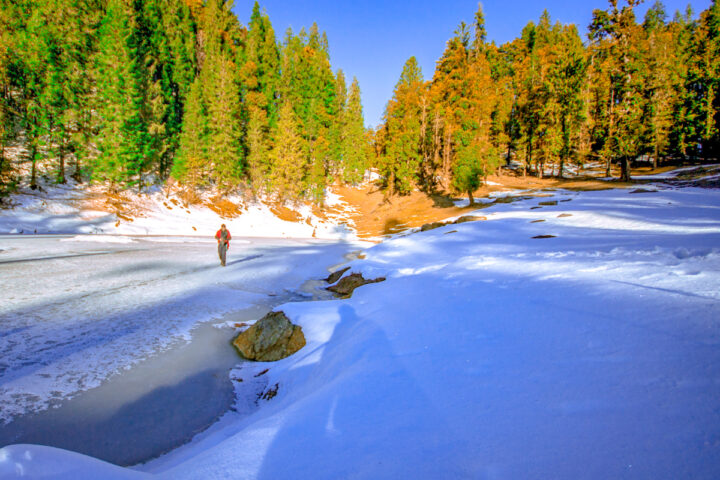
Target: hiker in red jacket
{"type": "Point", "coordinates": [223, 237]}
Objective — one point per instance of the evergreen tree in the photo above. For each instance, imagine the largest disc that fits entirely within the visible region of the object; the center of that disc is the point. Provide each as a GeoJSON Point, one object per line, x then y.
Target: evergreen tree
{"type": "Point", "coordinates": [354, 138]}
{"type": "Point", "coordinates": [658, 87]}
{"type": "Point", "coordinates": [224, 125]}
{"type": "Point", "coordinates": [287, 157]}
{"type": "Point", "coordinates": [567, 79]}
{"type": "Point", "coordinates": [124, 144]}
{"type": "Point", "coordinates": [400, 158]}
{"type": "Point", "coordinates": [260, 76]}
{"type": "Point", "coordinates": [191, 165]}
{"type": "Point", "coordinates": [338, 126]}
{"type": "Point", "coordinates": [703, 84]}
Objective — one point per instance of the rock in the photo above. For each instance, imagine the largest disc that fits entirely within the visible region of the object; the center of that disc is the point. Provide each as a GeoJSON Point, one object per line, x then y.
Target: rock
{"type": "Point", "coordinates": [469, 218]}
{"type": "Point", "coordinates": [272, 338]}
{"type": "Point", "coordinates": [643, 190]}
{"type": "Point", "coordinates": [548, 204]}
{"type": "Point", "coordinates": [432, 226]}
{"type": "Point", "coordinates": [544, 236]}
{"type": "Point", "coordinates": [565, 215]}
{"type": "Point", "coordinates": [346, 285]}
{"type": "Point", "coordinates": [537, 221]}
{"type": "Point", "coordinates": [335, 276]}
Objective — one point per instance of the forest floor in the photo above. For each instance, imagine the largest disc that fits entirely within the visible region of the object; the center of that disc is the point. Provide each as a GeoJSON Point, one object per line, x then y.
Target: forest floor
{"type": "Point", "coordinates": [375, 216]}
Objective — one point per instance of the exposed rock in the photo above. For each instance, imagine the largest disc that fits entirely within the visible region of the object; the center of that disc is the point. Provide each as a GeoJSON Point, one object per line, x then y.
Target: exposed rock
{"type": "Point", "coordinates": [463, 219]}
{"type": "Point", "coordinates": [272, 338]}
{"type": "Point", "coordinates": [451, 231]}
{"type": "Point", "coordinates": [432, 226]}
{"type": "Point", "coordinates": [548, 204]}
{"type": "Point", "coordinates": [346, 285]}
{"type": "Point", "coordinates": [565, 215]}
{"type": "Point", "coordinates": [335, 276]}
{"type": "Point", "coordinates": [544, 236]}
{"type": "Point", "coordinates": [537, 221]}
{"type": "Point", "coordinates": [469, 218]}
{"type": "Point", "coordinates": [643, 190]}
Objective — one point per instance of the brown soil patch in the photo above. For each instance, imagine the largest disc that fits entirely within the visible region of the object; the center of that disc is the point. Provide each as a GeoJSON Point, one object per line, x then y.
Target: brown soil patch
{"type": "Point", "coordinates": [374, 216]}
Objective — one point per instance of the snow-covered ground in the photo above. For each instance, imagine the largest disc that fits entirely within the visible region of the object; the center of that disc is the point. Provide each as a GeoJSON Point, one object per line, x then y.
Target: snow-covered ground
{"type": "Point", "coordinates": [83, 209]}
{"type": "Point", "coordinates": [576, 340]}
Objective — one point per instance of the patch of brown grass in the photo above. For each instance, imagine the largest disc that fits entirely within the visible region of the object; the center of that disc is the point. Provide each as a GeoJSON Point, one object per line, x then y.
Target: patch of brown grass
{"type": "Point", "coordinates": [224, 207]}
{"type": "Point", "coordinates": [190, 197]}
{"type": "Point", "coordinates": [285, 213]}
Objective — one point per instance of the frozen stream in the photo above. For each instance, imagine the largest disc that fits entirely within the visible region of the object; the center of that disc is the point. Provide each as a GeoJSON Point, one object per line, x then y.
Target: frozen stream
{"type": "Point", "coordinates": [118, 347]}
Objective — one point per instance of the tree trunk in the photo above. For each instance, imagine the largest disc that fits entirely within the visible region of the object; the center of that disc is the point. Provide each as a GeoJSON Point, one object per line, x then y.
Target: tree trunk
{"type": "Point", "coordinates": [472, 199]}
{"type": "Point", "coordinates": [61, 173]}
{"type": "Point", "coordinates": [655, 158]}
{"type": "Point", "coordinates": [608, 163]}
{"type": "Point", "coordinates": [76, 174]}
{"type": "Point", "coordinates": [33, 171]}
{"type": "Point", "coordinates": [562, 167]}
{"type": "Point", "coordinates": [446, 159]}
{"type": "Point", "coordinates": [625, 169]}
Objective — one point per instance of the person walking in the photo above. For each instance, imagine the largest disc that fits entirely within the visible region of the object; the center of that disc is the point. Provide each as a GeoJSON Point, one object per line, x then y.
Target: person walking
{"type": "Point", "coordinates": [223, 238]}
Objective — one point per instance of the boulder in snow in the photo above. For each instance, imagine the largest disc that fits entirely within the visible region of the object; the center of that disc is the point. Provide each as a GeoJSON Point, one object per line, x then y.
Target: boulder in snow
{"type": "Point", "coordinates": [272, 338]}
{"type": "Point", "coordinates": [347, 285]}
{"type": "Point", "coordinates": [335, 276]}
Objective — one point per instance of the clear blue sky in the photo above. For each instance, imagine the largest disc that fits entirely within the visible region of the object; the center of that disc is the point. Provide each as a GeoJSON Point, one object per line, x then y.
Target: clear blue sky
{"type": "Point", "coordinates": [372, 39]}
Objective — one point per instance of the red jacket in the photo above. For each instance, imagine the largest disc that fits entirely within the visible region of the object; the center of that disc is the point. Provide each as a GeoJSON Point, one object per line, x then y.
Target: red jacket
{"type": "Point", "coordinates": [218, 236]}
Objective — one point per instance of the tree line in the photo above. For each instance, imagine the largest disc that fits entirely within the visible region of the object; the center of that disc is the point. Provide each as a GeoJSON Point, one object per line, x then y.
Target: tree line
{"type": "Point", "coordinates": [548, 100]}
{"type": "Point", "coordinates": [133, 92]}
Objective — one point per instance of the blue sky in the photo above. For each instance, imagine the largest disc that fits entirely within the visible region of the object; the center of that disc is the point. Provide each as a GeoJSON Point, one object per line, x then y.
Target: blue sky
{"type": "Point", "coordinates": [372, 39]}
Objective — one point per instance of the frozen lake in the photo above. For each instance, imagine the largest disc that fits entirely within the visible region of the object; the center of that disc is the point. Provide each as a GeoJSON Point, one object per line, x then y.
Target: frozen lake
{"type": "Point", "coordinates": [119, 347]}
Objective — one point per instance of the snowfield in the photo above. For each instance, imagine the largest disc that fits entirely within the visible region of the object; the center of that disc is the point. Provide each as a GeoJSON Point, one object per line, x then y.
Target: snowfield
{"type": "Point", "coordinates": [576, 340]}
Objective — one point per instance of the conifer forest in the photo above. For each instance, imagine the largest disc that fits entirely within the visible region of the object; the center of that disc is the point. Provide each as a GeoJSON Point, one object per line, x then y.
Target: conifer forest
{"type": "Point", "coordinates": [134, 93]}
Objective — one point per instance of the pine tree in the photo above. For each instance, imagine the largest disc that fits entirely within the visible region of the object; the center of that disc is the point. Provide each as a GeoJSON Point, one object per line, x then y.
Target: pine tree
{"type": "Point", "coordinates": [260, 76]}
{"type": "Point", "coordinates": [567, 80]}
{"type": "Point", "coordinates": [703, 88]}
{"type": "Point", "coordinates": [354, 138]}
{"type": "Point", "coordinates": [191, 165]}
{"type": "Point", "coordinates": [338, 126]}
{"type": "Point", "coordinates": [223, 145]}
{"type": "Point", "coordinates": [682, 129]}
{"type": "Point", "coordinates": [400, 159]}
{"type": "Point", "coordinates": [658, 88]}
{"type": "Point", "coordinates": [287, 157]}
{"type": "Point", "coordinates": [620, 39]}
{"type": "Point", "coordinates": [124, 144]}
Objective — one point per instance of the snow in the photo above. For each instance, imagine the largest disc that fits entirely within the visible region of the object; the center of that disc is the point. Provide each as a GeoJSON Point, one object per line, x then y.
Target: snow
{"type": "Point", "coordinates": [487, 353]}
{"type": "Point", "coordinates": [68, 209]}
